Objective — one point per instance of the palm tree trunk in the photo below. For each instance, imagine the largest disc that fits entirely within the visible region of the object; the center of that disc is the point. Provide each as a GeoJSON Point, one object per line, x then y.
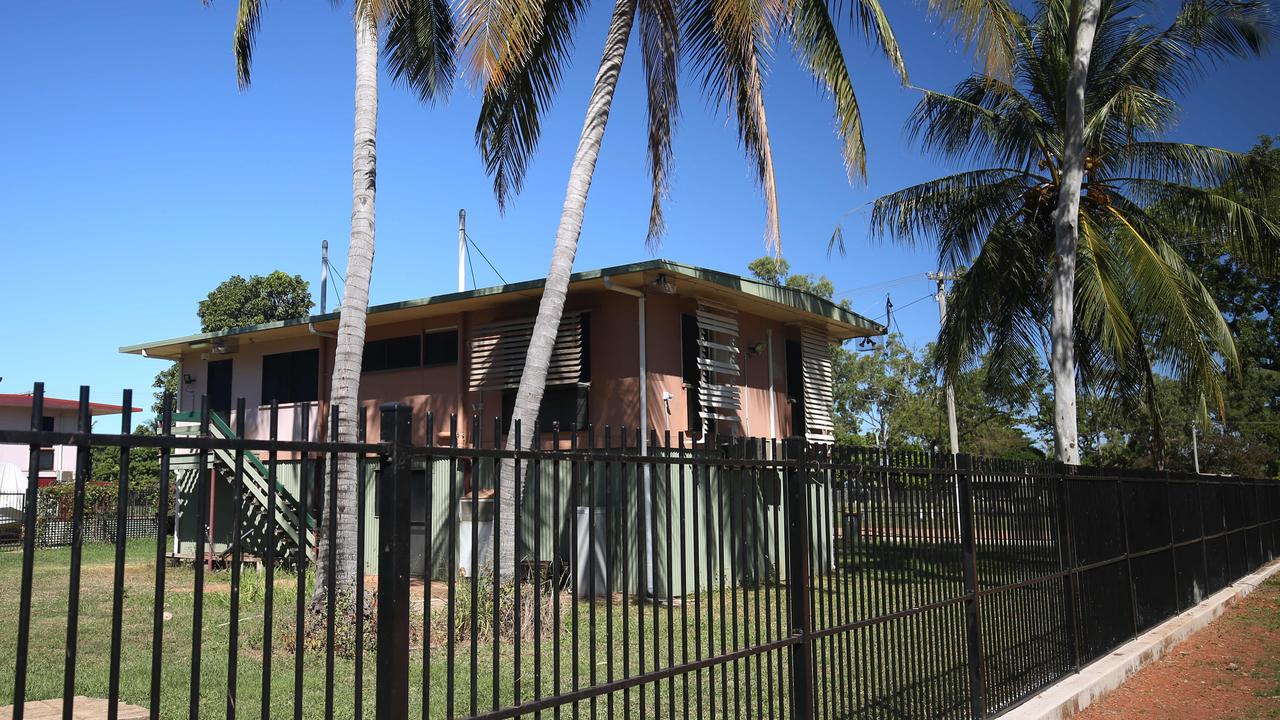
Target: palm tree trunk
{"type": "Point", "coordinates": [349, 352]}
{"type": "Point", "coordinates": [1066, 222]}
{"type": "Point", "coordinates": [551, 306]}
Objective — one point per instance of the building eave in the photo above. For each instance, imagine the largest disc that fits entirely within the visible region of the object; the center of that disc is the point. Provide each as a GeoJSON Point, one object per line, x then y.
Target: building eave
{"type": "Point", "coordinates": [840, 322]}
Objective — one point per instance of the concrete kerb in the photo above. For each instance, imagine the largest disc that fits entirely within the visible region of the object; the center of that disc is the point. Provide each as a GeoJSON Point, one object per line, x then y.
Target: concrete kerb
{"type": "Point", "coordinates": [1079, 691]}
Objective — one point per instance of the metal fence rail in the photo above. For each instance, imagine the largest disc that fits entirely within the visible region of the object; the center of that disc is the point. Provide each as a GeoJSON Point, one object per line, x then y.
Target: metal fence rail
{"type": "Point", "coordinates": [716, 578]}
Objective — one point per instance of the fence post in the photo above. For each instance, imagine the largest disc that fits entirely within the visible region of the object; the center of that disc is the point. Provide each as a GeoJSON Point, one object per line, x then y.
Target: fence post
{"type": "Point", "coordinates": [1067, 562]}
{"type": "Point", "coordinates": [393, 564]}
{"type": "Point", "coordinates": [972, 603]}
{"type": "Point", "coordinates": [798, 581]}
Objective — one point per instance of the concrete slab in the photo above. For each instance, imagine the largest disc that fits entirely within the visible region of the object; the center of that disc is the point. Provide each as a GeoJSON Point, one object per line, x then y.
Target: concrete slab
{"type": "Point", "coordinates": [1081, 690]}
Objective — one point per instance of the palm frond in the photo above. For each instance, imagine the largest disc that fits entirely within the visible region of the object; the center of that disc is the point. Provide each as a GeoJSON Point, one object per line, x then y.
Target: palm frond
{"type": "Point", "coordinates": [980, 319]}
{"type": "Point", "coordinates": [248, 19]}
{"type": "Point", "coordinates": [728, 43]}
{"type": "Point", "coordinates": [497, 36]}
{"type": "Point", "coordinates": [660, 43]}
{"type": "Point", "coordinates": [419, 48]}
{"type": "Point", "coordinates": [1186, 325]}
{"type": "Point", "coordinates": [991, 28]}
{"type": "Point", "coordinates": [871, 21]}
{"type": "Point", "coordinates": [982, 120]}
{"type": "Point", "coordinates": [813, 37]}
{"type": "Point", "coordinates": [957, 212]}
{"type": "Point", "coordinates": [509, 124]}
{"type": "Point", "coordinates": [1182, 163]}
{"type": "Point", "coordinates": [1212, 215]}
{"type": "Point", "coordinates": [1101, 297]}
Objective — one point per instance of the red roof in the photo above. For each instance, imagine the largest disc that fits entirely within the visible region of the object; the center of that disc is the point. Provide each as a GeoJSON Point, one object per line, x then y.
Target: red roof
{"type": "Point", "coordinates": [23, 400]}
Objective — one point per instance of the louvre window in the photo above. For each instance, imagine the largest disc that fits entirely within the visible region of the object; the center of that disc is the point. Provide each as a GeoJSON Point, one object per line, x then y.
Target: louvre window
{"type": "Point", "coordinates": [441, 348]}
{"type": "Point", "coordinates": [711, 360]}
{"type": "Point", "coordinates": [393, 353]}
{"type": "Point", "coordinates": [815, 363]}
{"type": "Point", "coordinates": [291, 377]}
{"type": "Point", "coordinates": [498, 351]}
{"type": "Point", "coordinates": [690, 351]}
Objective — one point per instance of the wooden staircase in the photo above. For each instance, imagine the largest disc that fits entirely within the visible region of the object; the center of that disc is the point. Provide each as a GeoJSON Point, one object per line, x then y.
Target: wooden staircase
{"type": "Point", "coordinates": [287, 529]}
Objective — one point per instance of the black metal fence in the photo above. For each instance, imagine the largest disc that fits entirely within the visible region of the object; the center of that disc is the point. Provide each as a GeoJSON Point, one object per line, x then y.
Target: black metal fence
{"type": "Point", "coordinates": [613, 574]}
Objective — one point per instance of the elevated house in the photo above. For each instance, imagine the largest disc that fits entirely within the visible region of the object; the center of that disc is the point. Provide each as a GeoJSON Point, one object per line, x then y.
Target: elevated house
{"type": "Point", "coordinates": [679, 350]}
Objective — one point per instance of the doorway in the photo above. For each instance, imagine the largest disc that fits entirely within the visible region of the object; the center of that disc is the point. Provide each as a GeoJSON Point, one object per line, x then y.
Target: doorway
{"type": "Point", "coordinates": [218, 388]}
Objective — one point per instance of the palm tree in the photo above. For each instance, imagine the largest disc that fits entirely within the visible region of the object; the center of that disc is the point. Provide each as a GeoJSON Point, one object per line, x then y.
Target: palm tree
{"type": "Point", "coordinates": [419, 49]}
{"type": "Point", "coordinates": [1135, 304]}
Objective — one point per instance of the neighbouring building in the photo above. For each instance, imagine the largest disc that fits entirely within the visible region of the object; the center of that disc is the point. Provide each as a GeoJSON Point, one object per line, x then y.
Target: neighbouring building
{"type": "Point", "coordinates": [658, 345]}
{"type": "Point", "coordinates": [57, 463]}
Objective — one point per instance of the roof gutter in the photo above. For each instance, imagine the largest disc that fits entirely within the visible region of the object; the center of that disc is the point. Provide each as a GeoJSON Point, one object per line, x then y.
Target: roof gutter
{"type": "Point", "coordinates": [311, 327]}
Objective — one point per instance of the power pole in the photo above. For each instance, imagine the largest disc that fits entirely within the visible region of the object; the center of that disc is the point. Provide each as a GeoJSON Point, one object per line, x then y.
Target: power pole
{"type": "Point", "coordinates": [1195, 447]}
{"type": "Point", "coordinates": [941, 297]}
{"type": "Point", "coordinates": [884, 416]}
{"type": "Point", "coordinates": [462, 249]}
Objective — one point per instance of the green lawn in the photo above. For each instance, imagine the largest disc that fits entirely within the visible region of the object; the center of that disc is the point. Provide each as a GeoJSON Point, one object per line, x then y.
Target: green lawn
{"type": "Point", "coordinates": [551, 662]}
{"type": "Point", "coordinates": [547, 660]}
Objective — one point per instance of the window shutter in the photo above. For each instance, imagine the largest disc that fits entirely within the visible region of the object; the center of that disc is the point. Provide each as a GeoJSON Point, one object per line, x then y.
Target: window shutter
{"type": "Point", "coordinates": [815, 364]}
{"type": "Point", "coordinates": [718, 393]}
{"type": "Point", "coordinates": [498, 350]}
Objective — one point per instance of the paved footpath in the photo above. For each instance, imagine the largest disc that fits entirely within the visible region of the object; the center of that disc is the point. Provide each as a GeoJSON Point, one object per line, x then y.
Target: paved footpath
{"type": "Point", "coordinates": [1228, 671]}
{"type": "Point", "coordinates": [84, 709]}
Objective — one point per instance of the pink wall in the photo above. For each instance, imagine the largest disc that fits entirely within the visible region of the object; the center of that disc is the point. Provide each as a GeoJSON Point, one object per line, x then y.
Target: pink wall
{"type": "Point", "coordinates": [246, 382]}
{"type": "Point", "coordinates": [666, 372]}
{"type": "Point", "coordinates": [64, 456]}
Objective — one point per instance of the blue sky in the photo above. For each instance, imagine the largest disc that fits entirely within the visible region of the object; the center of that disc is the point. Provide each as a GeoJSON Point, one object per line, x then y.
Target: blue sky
{"type": "Point", "coordinates": [137, 176]}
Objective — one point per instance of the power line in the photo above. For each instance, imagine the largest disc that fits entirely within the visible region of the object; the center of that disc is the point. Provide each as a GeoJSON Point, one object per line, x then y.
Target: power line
{"type": "Point", "coordinates": [904, 307]}
{"type": "Point", "coordinates": [895, 282]}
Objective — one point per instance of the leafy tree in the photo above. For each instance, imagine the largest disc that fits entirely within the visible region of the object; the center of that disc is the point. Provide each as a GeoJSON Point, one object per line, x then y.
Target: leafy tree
{"type": "Point", "coordinates": [1243, 436]}
{"type": "Point", "coordinates": [890, 396]}
{"type": "Point", "coordinates": [165, 383]}
{"type": "Point", "coordinates": [777, 271]}
{"type": "Point", "coordinates": [144, 463]}
{"type": "Point", "coordinates": [237, 302]}
{"type": "Point", "coordinates": [1136, 304]}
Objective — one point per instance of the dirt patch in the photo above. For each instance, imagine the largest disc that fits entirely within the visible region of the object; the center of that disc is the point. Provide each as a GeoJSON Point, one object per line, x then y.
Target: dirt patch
{"type": "Point", "coordinates": [1228, 671]}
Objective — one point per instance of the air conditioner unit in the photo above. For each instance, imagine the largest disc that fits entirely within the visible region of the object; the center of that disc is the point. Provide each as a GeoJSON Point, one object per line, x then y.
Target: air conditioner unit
{"type": "Point", "coordinates": [66, 476]}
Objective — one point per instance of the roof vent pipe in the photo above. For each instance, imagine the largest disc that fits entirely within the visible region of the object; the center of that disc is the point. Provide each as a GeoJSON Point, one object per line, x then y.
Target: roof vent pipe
{"type": "Point", "coordinates": [462, 249]}
{"type": "Point", "coordinates": [324, 274]}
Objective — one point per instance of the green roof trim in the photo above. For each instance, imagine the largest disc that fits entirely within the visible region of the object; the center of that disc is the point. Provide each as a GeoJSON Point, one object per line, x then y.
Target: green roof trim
{"type": "Point", "coordinates": [798, 299]}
